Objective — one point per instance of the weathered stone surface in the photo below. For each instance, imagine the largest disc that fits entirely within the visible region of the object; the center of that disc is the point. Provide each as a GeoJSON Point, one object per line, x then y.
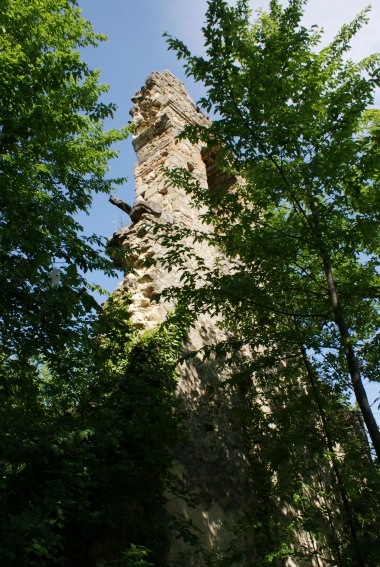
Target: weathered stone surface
{"type": "Point", "coordinates": [162, 108]}
{"type": "Point", "coordinates": [141, 207]}
{"type": "Point", "coordinates": [211, 461]}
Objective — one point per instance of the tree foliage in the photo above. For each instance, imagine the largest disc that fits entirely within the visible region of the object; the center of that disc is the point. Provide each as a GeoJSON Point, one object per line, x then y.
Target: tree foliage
{"type": "Point", "coordinates": [85, 458]}
{"type": "Point", "coordinates": [297, 126]}
{"type": "Point", "coordinates": [53, 159]}
{"type": "Point", "coordinates": [86, 416]}
{"type": "Point", "coordinates": [295, 216]}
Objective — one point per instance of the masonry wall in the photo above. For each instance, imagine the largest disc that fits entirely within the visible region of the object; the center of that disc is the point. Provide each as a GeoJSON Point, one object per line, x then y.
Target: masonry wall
{"type": "Point", "coordinates": [212, 461]}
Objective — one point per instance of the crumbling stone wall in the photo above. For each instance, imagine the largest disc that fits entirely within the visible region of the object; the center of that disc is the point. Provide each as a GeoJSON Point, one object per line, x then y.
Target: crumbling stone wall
{"type": "Point", "coordinates": [161, 109]}
{"type": "Point", "coordinates": [211, 461]}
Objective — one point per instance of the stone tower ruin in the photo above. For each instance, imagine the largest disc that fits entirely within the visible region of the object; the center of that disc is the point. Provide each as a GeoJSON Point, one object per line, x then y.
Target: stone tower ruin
{"type": "Point", "coordinates": [212, 461]}
{"type": "Point", "coordinates": [212, 467]}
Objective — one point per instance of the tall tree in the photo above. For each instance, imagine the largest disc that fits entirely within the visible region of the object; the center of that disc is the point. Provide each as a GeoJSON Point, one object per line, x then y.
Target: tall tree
{"type": "Point", "coordinates": [53, 159]}
{"type": "Point", "coordinates": [296, 124]}
{"type": "Point", "coordinates": [294, 212]}
{"type": "Point", "coordinates": [74, 413]}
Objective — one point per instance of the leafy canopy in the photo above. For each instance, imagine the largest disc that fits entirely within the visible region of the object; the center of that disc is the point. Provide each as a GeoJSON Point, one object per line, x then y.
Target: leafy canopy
{"type": "Point", "coordinates": [85, 404]}
{"type": "Point", "coordinates": [53, 158]}
{"type": "Point", "coordinates": [295, 216]}
{"type": "Point", "coordinates": [295, 124]}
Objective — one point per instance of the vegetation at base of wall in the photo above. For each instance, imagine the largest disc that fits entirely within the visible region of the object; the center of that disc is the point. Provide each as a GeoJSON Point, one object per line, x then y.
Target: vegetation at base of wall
{"type": "Point", "coordinates": [83, 476]}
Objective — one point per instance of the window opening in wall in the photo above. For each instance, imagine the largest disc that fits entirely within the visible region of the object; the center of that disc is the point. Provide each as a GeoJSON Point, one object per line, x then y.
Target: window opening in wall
{"type": "Point", "coordinates": [216, 180]}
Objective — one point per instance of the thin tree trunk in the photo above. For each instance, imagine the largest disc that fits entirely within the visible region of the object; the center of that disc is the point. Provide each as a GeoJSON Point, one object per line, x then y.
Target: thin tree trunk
{"type": "Point", "coordinates": [341, 488]}
{"type": "Point", "coordinates": [352, 363]}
